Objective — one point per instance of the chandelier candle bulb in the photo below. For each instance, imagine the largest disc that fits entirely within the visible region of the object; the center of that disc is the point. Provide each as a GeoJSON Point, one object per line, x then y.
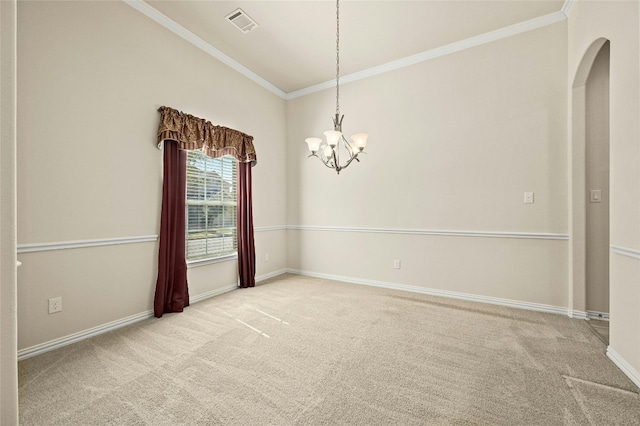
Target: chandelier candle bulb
{"type": "Point", "coordinates": [314, 144]}
{"type": "Point", "coordinates": [333, 136]}
{"type": "Point", "coordinates": [360, 139]}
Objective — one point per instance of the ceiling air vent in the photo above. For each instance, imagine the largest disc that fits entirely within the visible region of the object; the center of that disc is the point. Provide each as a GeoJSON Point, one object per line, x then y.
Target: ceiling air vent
{"type": "Point", "coordinates": [242, 21]}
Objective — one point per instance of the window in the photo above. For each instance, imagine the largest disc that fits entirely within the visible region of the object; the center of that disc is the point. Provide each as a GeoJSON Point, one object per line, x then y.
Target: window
{"type": "Point", "coordinates": [211, 206]}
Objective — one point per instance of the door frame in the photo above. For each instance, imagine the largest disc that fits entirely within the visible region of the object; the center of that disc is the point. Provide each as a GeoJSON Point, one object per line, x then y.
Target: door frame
{"type": "Point", "coordinates": [577, 184]}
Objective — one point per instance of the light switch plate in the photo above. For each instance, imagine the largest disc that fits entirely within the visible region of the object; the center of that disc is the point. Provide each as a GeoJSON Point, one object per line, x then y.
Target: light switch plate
{"type": "Point", "coordinates": [595, 196]}
{"type": "Point", "coordinates": [528, 197]}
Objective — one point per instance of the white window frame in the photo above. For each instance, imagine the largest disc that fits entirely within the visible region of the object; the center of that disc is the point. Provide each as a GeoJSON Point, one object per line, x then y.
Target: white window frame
{"type": "Point", "coordinates": [203, 193]}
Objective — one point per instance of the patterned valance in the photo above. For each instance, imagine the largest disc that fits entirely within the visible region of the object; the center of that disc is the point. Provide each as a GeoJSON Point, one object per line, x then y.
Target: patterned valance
{"type": "Point", "coordinates": [196, 133]}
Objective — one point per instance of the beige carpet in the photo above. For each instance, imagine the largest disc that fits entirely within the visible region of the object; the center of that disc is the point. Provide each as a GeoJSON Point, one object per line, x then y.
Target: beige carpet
{"type": "Point", "coordinates": [301, 350]}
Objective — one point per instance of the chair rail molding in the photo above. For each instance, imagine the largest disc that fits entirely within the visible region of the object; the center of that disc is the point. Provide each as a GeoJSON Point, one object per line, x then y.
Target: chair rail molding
{"type": "Point", "coordinates": [625, 251]}
{"type": "Point", "coordinates": [63, 245]}
{"type": "Point", "coordinates": [441, 232]}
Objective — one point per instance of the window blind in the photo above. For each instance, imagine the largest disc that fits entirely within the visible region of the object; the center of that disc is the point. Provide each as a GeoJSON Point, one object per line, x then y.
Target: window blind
{"type": "Point", "coordinates": [211, 206]}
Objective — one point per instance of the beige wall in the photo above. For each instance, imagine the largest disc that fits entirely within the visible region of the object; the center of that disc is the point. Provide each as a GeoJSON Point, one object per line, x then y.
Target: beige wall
{"type": "Point", "coordinates": [91, 77]}
{"type": "Point", "coordinates": [8, 307]}
{"type": "Point", "coordinates": [619, 23]}
{"type": "Point", "coordinates": [455, 142]}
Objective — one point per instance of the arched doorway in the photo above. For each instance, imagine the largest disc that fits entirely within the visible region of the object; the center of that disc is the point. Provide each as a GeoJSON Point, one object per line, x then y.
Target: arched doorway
{"type": "Point", "coordinates": [589, 181]}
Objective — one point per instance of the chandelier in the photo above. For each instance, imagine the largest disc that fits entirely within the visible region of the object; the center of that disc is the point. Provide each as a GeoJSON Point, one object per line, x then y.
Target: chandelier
{"type": "Point", "coordinates": [329, 151]}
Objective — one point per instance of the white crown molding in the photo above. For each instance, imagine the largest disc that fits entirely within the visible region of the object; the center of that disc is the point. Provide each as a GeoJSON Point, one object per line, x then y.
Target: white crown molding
{"type": "Point", "coordinates": [458, 46]}
{"type": "Point", "coordinates": [484, 234]}
{"type": "Point", "coordinates": [625, 251]}
{"type": "Point", "coordinates": [539, 307]}
{"type": "Point", "coordinates": [488, 37]}
{"type": "Point", "coordinates": [566, 7]}
{"type": "Point", "coordinates": [178, 29]}
{"type": "Point", "coordinates": [623, 365]}
{"type": "Point", "coordinates": [63, 245]}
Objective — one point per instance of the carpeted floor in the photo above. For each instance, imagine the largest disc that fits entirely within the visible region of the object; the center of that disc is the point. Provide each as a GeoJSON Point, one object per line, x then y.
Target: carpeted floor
{"type": "Point", "coordinates": [305, 351]}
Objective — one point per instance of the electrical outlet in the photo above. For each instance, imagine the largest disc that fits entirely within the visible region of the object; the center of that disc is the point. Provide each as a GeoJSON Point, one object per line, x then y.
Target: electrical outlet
{"type": "Point", "coordinates": [55, 305]}
{"type": "Point", "coordinates": [266, 257]}
{"type": "Point", "coordinates": [396, 264]}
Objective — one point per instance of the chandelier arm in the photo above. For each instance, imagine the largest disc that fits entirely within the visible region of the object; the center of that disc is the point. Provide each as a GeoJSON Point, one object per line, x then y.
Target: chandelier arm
{"type": "Point", "coordinates": [334, 165]}
{"type": "Point", "coordinates": [354, 157]}
{"type": "Point", "coordinates": [326, 163]}
{"type": "Point", "coordinates": [350, 149]}
{"type": "Point", "coordinates": [329, 165]}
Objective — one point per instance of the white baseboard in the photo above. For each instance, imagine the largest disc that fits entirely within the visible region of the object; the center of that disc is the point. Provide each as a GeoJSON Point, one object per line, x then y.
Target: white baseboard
{"type": "Point", "coordinates": [212, 293]}
{"type": "Point", "coordinates": [123, 322]}
{"type": "Point", "coordinates": [444, 293]}
{"type": "Point", "coordinates": [578, 314]}
{"type": "Point", "coordinates": [270, 275]}
{"type": "Point", "coordinates": [604, 316]}
{"type": "Point", "coordinates": [623, 365]}
{"type": "Point", "coordinates": [82, 335]}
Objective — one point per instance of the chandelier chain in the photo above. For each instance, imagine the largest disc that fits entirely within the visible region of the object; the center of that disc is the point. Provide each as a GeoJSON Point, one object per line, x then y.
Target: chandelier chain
{"type": "Point", "coordinates": [337, 58]}
{"type": "Point", "coordinates": [328, 152]}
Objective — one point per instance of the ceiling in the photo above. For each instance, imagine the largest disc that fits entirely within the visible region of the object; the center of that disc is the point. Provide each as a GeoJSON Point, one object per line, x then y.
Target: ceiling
{"type": "Point", "coordinates": [294, 46]}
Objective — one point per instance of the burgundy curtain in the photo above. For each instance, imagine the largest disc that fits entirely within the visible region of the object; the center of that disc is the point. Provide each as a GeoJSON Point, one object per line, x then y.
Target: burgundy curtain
{"type": "Point", "coordinates": [246, 248]}
{"type": "Point", "coordinates": [172, 293]}
{"type": "Point", "coordinates": [179, 132]}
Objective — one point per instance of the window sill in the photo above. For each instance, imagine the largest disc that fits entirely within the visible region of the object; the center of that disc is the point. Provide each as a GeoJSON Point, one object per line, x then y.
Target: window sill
{"type": "Point", "coordinates": [203, 262]}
